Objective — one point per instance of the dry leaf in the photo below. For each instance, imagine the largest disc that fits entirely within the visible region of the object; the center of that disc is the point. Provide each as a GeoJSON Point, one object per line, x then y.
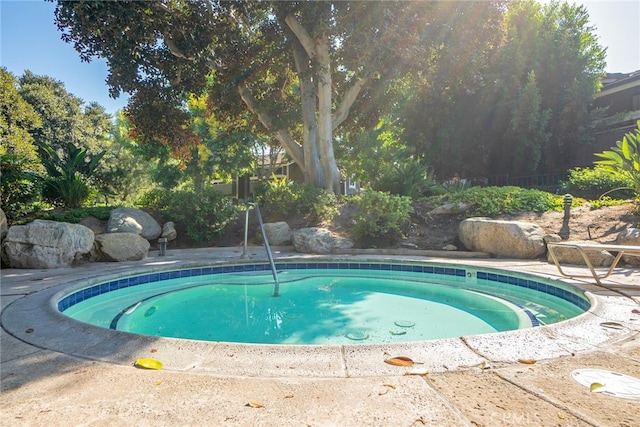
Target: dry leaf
{"type": "Point", "coordinates": [595, 386]}
{"type": "Point", "coordinates": [527, 361]}
{"type": "Point", "coordinates": [159, 382]}
{"type": "Point", "coordinates": [389, 385]}
{"type": "Point", "coordinates": [611, 325]}
{"type": "Point", "coordinates": [485, 365]}
{"type": "Point", "coordinates": [254, 404]}
{"type": "Point", "coordinates": [635, 311]}
{"type": "Point", "coordinates": [561, 415]}
{"type": "Point", "coordinates": [399, 361]}
{"type": "Point", "coordinates": [148, 364]}
{"type": "Point", "coordinates": [154, 350]}
{"type": "Point", "coordinates": [29, 330]}
{"type": "Point", "coordinates": [417, 372]}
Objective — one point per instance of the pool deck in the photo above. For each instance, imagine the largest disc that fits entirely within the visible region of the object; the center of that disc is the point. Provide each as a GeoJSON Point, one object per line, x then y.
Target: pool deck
{"type": "Point", "coordinates": [56, 371]}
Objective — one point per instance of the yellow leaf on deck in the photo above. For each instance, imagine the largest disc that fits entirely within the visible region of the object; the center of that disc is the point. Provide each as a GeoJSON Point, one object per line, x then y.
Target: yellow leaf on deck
{"type": "Point", "coordinates": [399, 361]}
{"type": "Point", "coordinates": [421, 371]}
{"type": "Point", "coordinates": [595, 386]}
{"type": "Point", "coordinates": [255, 404]}
{"type": "Point", "coordinates": [148, 364]}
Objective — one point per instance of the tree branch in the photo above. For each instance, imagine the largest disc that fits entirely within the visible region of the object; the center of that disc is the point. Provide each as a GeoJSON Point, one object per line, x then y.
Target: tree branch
{"type": "Point", "coordinates": [291, 146]}
{"type": "Point", "coordinates": [305, 39]}
{"type": "Point", "coordinates": [342, 112]}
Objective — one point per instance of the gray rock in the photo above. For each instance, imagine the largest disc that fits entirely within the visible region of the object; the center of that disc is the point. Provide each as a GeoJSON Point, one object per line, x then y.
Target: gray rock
{"type": "Point", "coordinates": [3, 225]}
{"type": "Point", "coordinates": [450, 209]}
{"type": "Point", "coordinates": [46, 244]}
{"type": "Point", "coordinates": [278, 233]}
{"type": "Point", "coordinates": [631, 237]}
{"type": "Point", "coordinates": [316, 240]}
{"type": "Point", "coordinates": [131, 220]}
{"type": "Point", "coordinates": [169, 231]}
{"type": "Point", "coordinates": [118, 247]}
{"type": "Point", "coordinates": [509, 239]}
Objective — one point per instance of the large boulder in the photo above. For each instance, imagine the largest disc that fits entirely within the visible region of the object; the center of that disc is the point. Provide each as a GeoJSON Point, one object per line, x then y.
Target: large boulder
{"type": "Point", "coordinates": [120, 247]}
{"type": "Point", "coordinates": [630, 237]}
{"type": "Point", "coordinates": [132, 220]}
{"type": "Point", "coordinates": [46, 244]}
{"type": "Point", "coordinates": [278, 233]}
{"type": "Point", "coordinates": [509, 239]}
{"type": "Point", "coordinates": [3, 225]}
{"type": "Point", "coordinates": [316, 240]}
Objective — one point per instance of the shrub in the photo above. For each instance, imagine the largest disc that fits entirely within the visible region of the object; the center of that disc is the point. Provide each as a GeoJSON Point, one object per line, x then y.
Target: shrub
{"type": "Point", "coordinates": [491, 201]}
{"type": "Point", "coordinates": [282, 198]}
{"type": "Point", "coordinates": [380, 216]}
{"type": "Point", "coordinates": [74, 216]}
{"type": "Point", "coordinates": [410, 178]}
{"type": "Point", "coordinates": [624, 158]}
{"type": "Point", "coordinates": [19, 189]}
{"type": "Point", "coordinates": [205, 214]}
{"type": "Point", "coordinates": [591, 183]}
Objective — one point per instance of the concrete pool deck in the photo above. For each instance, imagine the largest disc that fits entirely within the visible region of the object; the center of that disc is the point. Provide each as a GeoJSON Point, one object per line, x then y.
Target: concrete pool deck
{"type": "Point", "coordinates": [56, 371]}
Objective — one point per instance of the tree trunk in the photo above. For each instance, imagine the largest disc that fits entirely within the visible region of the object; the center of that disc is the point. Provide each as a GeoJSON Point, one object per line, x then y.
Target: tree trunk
{"type": "Point", "coordinates": [325, 124]}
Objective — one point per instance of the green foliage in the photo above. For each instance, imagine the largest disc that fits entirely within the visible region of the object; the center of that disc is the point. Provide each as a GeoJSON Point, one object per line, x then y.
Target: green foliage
{"type": "Point", "coordinates": [19, 189]}
{"type": "Point", "coordinates": [282, 198]}
{"type": "Point", "coordinates": [409, 178]}
{"type": "Point", "coordinates": [591, 183]}
{"type": "Point", "coordinates": [17, 120]}
{"type": "Point", "coordinates": [74, 216]}
{"type": "Point", "coordinates": [68, 174]}
{"type": "Point", "coordinates": [205, 214]}
{"type": "Point", "coordinates": [624, 158]}
{"type": "Point", "coordinates": [491, 201]}
{"type": "Point", "coordinates": [381, 216]}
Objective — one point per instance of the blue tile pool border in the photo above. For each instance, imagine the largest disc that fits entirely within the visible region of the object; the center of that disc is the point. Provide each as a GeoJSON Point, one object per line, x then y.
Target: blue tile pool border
{"type": "Point", "coordinates": [459, 274]}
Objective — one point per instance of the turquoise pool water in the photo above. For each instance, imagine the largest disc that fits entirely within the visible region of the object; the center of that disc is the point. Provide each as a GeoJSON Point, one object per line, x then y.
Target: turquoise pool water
{"type": "Point", "coordinates": [324, 303]}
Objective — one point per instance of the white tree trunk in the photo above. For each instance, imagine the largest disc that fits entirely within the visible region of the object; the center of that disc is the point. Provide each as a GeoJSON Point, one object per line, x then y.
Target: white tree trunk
{"type": "Point", "coordinates": [325, 122]}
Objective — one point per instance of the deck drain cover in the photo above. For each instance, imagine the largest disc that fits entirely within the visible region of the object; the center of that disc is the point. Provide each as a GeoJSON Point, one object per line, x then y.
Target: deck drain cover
{"type": "Point", "coordinates": [613, 383]}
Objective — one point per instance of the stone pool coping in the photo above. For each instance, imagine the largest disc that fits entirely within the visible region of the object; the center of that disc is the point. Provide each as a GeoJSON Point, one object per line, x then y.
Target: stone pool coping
{"type": "Point", "coordinates": [34, 320]}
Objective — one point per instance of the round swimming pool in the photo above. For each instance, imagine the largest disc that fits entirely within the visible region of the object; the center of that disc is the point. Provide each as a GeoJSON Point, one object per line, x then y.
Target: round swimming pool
{"type": "Point", "coordinates": [322, 303]}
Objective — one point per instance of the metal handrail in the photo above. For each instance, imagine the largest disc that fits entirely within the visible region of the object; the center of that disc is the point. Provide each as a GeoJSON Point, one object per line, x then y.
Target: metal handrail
{"type": "Point", "coordinates": [276, 289]}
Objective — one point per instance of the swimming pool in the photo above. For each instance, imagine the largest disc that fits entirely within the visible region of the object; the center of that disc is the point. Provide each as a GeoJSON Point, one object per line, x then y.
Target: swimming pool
{"type": "Point", "coordinates": [324, 302]}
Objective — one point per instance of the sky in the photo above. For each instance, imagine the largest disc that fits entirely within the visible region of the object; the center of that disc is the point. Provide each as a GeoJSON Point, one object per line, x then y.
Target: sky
{"type": "Point", "coordinates": [29, 40]}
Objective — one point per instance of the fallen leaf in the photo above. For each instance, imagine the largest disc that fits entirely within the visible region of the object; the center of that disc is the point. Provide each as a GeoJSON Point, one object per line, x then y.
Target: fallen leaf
{"type": "Point", "coordinates": [612, 325]}
{"type": "Point", "coordinates": [527, 361]}
{"type": "Point", "coordinates": [389, 385]}
{"type": "Point", "coordinates": [561, 415]}
{"type": "Point", "coordinates": [154, 350]}
{"type": "Point", "coordinates": [595, 386]}
{"type": "Point", "coordinates": [159, 382]}
{"type": "Point", "coordinates": [485, 365]}
{"type": "Point", "coordinates": [254, 404]}
{"type": "Point", "coordinates": [635, 311]}
{"type": "Point", "coordinates": [383, 391]}
{"type": "Point", "coordinates": [421, 371]}
{"type": "Point", "coordinates": [29, 330]}
{"type": "Point", "coordinates": [397, 332]}
{"type": "Point", "coordinates": [148, 364]}
{"type": "Point", "coordinates": [399, 361]}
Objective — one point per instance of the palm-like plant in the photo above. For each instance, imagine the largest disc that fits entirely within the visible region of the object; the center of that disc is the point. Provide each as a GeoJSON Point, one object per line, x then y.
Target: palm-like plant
{"type": "Point", "coordinates": [624, 157]}
{"type": "Point", "coordinates": [68, 174]}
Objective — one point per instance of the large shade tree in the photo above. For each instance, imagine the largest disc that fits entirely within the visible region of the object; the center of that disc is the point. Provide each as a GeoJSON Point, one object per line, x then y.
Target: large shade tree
{"type": "Point", "coordinates": [300, 68]}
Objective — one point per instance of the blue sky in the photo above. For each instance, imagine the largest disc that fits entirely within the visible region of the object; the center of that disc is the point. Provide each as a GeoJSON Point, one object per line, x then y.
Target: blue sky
{"type": "Point", "coordinates": [30, 40]}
